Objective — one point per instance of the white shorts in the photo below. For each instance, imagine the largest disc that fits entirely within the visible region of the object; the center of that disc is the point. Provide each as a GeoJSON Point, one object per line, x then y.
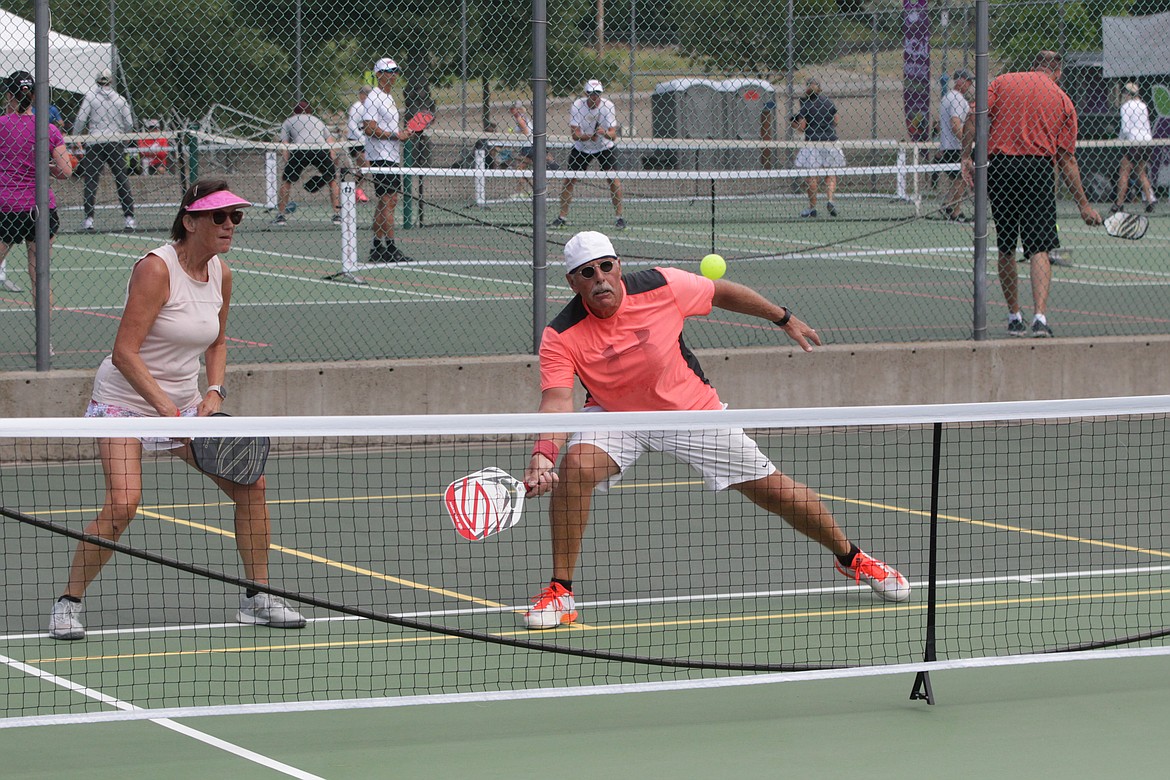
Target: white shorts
{"type": "Point", "coordinates": [149, 443]}
{"type": "Point", "coordinates": [820, 157]}
{"type": "Point", "coordinates": [724, 456]}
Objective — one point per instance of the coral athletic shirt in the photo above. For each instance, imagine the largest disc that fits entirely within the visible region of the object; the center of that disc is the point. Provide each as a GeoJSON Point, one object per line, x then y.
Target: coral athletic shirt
{"type": "Point", "coordinates": [635, 360]}
{"type": "Point", "coordinates": [1030, 115]}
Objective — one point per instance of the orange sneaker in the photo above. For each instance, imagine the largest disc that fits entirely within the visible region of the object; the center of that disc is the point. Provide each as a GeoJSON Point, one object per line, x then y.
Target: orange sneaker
{"type": "Point", "coordinates": [361, 196]}
{"type": "Point", "coordinates": [554, 606]}
{"type": "Point", "coordinates": [883, 578]}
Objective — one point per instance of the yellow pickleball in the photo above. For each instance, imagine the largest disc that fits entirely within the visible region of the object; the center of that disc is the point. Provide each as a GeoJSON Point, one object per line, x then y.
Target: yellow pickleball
{"type": "Point", "coordinates": [713, 266]}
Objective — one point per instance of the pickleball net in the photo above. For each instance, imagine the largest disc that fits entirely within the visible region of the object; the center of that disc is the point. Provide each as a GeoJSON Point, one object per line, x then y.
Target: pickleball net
{"type": "Point", "coordinates": [1029, 531]}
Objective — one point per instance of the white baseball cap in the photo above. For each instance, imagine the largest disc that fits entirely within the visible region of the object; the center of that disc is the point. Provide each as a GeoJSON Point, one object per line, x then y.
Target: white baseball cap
{"type": "Point", "coordinates": [593, 85]}
{"type": "Point", "coordinates": [104, 77]}
{"type": "Point", "coordinates": [586, 246]}
{"type": "Point", "coordinates": [386, 65]}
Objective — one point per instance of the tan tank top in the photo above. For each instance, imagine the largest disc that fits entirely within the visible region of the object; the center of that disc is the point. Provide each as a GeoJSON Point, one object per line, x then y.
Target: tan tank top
{"type": "Point", "coordinates": [185, 327]}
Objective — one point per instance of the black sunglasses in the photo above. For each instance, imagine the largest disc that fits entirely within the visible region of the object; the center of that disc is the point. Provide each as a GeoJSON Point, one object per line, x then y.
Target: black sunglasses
{"type": "Point", "coordinates": [587, 271]}
{"type": "Point", "coordinates": [220, 217]}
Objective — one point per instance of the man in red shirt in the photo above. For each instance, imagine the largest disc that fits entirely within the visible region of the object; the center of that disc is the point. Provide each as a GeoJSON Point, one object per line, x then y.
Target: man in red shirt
{"type": "Point", "coordinates": [1032, 126]}
{"type": "Point", "coordinates": [622, 337]}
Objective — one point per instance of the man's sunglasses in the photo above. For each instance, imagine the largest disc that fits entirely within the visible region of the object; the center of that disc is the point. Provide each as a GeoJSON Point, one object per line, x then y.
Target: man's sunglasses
{"type": "Point", "coordinates": [220, 217]}
{"type": "Point", "coordinates": [587, 271]}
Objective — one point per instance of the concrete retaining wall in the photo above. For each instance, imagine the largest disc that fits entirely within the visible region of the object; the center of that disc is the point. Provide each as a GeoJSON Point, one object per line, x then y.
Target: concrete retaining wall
{"type": "Point", "coordinates": [948, 372]}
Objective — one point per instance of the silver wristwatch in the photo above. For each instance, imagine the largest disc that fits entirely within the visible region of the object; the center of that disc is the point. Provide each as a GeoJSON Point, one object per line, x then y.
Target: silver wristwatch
{"type": "Point", "coordinates": [218, 389]}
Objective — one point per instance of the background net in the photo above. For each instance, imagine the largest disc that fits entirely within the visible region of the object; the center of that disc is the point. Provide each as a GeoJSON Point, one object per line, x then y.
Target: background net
{"type": "Point", "coordinates": [696, 86]}
{"type": "Point", "coordinates": [1042, 532]}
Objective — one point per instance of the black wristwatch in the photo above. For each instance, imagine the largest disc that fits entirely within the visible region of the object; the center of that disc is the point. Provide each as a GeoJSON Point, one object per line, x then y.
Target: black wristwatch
{"type": "Point", "coordinates": [223, 390]}
{"type": "Point", "coordinates": [783, 320]}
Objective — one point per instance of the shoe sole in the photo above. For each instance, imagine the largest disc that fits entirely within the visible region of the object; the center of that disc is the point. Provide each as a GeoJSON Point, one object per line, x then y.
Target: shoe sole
{"type": "Point", "coordinates": [67, 635]}
{"type": "Point", "coordinates": [565, 620]}
{"type": "Point", "coordinates": [252, 620]}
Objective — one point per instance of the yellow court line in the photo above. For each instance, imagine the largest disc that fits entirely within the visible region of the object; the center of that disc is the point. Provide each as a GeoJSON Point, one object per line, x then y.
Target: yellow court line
{"type": "Point", "coordinates": [776, 616]}
{"type": "Point", "coordinates": [330, 562]}
{"type": "Point", "coordinates": [257, 649]}
{"type": "Point", "coordinates": [1000, 526]}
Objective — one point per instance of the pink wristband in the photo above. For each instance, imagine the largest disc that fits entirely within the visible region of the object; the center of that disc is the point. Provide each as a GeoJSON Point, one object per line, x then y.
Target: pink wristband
{"type": "Point", "coordinates": [548, 448]}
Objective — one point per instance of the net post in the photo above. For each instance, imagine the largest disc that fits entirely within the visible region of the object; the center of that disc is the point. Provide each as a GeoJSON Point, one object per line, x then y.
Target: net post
{"type": "Point", "coordinates": [922, 690]}
{"type": "Point", "coordinates": [916, 158]}
{"type": "Point", "coordinates": [270, 185]}
{"type": "Point", "coordinates": [480, 178]}
{"type": "Point", "coordinates": [349, 256]}
{"type": "Point", "coordinates": [407, 190]}
{"type": "Point", "coordinates": [902, 174]}
{"type": "Point", "coordinates": [713, 215]}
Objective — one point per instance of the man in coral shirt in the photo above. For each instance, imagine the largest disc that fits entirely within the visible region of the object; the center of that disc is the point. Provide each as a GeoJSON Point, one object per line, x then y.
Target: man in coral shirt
{"type": "Point", "coordinates": [1032, 125]}
{"type": "Point", "coordinates": [622, 337]}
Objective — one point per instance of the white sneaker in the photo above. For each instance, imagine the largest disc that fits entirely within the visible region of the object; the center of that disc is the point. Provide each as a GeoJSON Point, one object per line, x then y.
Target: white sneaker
{"type": "Point", "coordinates": [9, 285]}
{"type": "Point", "coordinates": [65, 620]}
{"type": "Point", "coordinates": [264, 609]}
{"type": "Point", "coordinates": [130, 223]}
{"type": "Point", "coordinates": [554, 606]}
{"type": "Point", "coordinates": [87, 224]}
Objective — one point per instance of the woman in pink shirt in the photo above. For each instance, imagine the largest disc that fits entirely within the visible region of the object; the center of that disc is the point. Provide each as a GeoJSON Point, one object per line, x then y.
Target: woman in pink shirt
{"type": "Point", "coordinates": [176, 311]}
{"type": "Point", "coordinates": [18, 189]}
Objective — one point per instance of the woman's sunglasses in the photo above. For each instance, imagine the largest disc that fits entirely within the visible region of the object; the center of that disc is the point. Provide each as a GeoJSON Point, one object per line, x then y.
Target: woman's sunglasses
{"type": "Point", "coordinates": [220, 217]}
{"type": "Point", "coordinates": [587, 271]}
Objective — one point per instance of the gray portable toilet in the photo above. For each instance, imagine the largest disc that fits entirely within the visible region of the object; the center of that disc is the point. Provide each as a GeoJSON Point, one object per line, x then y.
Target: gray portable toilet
{"type": "Point", "coordinates": [686, 108]}
{"type": "Point", "coordinates": [746, 104]}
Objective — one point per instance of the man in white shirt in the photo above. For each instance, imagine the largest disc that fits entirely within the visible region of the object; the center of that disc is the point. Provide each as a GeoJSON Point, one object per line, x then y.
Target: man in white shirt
{"type": "Point", "coordinates": [1135, 126]}
{"type": "Point", "coordinates": [953, 111]}
{"type": "Point", "coordinates": [104, 112]}
{"type": "Point", "coordinates": [303, 128]}
{"type": "Point", "coordinates": [593, 126]}
{"type": "Point", "coordinates": [384, 137]}
{"type": "Point", "coordinates": [355, 135]}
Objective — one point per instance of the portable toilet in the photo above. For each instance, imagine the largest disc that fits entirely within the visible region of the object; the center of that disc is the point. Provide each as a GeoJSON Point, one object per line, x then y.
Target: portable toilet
{"type": "Point", "coordinates": [749, 107]}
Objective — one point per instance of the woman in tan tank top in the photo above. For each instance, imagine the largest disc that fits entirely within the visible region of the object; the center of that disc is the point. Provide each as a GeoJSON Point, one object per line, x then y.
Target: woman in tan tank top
{"type": "Point", "coordinates": [176, 311]}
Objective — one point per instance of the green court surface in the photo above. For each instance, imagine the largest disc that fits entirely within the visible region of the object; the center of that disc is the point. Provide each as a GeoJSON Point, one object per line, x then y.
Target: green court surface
{"type": "Point", "coordinates": [1035, 554]}
{"type": "Point", "coordinates": [1075, 720]}
{"type": "Point", "coordinates": [880, 275]}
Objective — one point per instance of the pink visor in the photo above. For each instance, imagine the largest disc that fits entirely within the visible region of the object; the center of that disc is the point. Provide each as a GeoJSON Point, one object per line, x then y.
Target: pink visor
{"type": "Point", "coordinates": [218, 200]}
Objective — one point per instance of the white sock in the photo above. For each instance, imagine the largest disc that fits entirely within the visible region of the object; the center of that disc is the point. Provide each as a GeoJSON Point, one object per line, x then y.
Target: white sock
{"type": "Point", "coordinates": [1040, 318]}
{"type": "Point", "coordinates": [1015, 316]}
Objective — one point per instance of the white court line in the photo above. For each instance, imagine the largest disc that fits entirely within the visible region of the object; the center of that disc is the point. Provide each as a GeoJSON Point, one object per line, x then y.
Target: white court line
{"type": "Point", "coordinates": [165, 722]}
{"type": "Point", "coordinates": [579, 691]}
{"type": "Point", "coordinates": [650, 600]}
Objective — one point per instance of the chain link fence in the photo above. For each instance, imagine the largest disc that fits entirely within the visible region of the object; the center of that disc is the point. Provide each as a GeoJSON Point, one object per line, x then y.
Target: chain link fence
{"type": "Point", "coordinates": [817, 145]}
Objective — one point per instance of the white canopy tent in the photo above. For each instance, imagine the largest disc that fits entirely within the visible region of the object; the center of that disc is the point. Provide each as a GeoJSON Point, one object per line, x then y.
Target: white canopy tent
{"type": "Point", "coordinates": [73, 63]}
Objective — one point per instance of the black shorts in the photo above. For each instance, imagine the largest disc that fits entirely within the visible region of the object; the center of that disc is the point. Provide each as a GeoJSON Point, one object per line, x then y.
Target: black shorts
{"type": "Point", "coordinates": [579, 160]}
{"type": "Point", "coordinates": [1022, 191]}
{"type": "Point", "coordinates": [386, 183]}
{"type": "Point", "coordinates": [19, 226]}
{"type": "Point", "coordinates": [948, 157]}
{"type": "Point", "coordinates": [1138, 154]}
{"type": "Point", "coordinates": [299, 159]}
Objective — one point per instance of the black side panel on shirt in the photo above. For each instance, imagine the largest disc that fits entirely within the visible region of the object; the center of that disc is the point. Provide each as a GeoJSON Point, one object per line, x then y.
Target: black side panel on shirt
{"type": "Point", "coordinates": [692, 361]}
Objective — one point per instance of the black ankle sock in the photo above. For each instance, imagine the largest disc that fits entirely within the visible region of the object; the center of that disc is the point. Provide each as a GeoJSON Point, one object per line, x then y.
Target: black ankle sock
{"type": "Point", "coordinates": [74, 599]}
{"type": "Point", "coordinates": [566, 584]}
{"type": "Point", "coordinates": [847, 559]}
{"type": "Point", "coordinates": [250, 593]}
